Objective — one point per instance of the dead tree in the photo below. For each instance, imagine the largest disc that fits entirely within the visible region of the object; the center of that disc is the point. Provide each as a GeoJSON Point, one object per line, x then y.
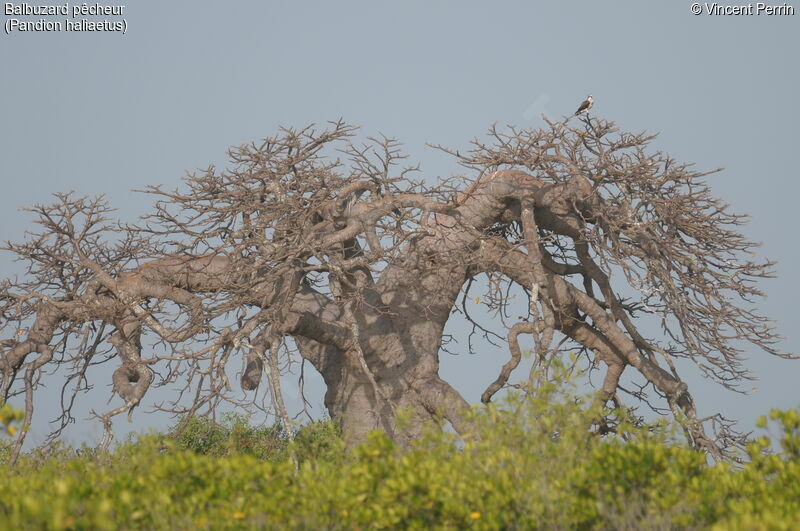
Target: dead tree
{"type": "Point", "coordinates": [313, 247]}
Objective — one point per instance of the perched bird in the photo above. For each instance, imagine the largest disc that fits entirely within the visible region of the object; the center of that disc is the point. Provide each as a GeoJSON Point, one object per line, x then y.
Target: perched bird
{"type": "Point", "coordinates": [585, 106]}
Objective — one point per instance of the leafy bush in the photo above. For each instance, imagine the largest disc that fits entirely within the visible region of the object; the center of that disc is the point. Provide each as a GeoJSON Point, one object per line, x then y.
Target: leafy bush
{"type": "Point", "coordinates": [531, 462]}
{"type": "Point", "coordinates": [8, 416]}
{"type": "Point", "coordinates": [236, 437]}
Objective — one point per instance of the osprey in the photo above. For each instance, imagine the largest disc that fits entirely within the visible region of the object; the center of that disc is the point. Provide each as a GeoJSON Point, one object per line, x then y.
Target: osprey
{"type": "Point", "coordinates": [585, 106]}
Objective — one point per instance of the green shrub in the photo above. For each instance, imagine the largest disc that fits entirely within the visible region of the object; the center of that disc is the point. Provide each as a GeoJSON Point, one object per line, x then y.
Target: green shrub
{"type": "Point", "coordinates": [234, 436]}
{"type": "Point", "coordinates": [8, 416]}
{"type": "Point", "coordinates": [529, 463]}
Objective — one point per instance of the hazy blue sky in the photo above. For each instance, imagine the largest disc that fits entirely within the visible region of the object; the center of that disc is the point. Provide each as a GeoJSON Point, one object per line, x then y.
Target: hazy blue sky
{"type": "Point", "coordinates": [108, 113]}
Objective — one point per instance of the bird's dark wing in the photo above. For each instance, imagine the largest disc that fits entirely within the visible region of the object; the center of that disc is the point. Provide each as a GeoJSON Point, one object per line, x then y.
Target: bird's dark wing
{"type": "Point", "coordinates": [583, 107]}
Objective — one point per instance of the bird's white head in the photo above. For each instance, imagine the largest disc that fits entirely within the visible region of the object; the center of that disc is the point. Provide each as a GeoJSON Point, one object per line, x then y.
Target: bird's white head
{"type": "Point", "coordinates": [589, 97]}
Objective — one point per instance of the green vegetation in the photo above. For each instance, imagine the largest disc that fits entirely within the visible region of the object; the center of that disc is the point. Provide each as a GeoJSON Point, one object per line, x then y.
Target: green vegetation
{"type": "Point", "coordinates": [8, 416]}
{"type": "Point", "coordinates": [532, 462]}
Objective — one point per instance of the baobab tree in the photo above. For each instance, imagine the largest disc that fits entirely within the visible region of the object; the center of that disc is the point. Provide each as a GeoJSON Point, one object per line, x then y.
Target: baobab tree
{"type": "Point", "coordinates": [312, 246]}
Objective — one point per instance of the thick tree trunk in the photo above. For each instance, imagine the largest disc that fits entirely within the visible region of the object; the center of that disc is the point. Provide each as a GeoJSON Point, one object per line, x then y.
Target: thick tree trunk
{"type": "Point", "coordinates": [393, 370]}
